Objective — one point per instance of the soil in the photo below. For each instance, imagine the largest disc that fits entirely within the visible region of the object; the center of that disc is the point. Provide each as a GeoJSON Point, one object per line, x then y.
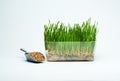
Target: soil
{"type": "Point", "coordinates": [81, 57]}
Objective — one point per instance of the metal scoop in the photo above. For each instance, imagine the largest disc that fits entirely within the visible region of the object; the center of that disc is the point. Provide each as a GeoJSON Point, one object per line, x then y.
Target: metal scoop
{"type": "Point", "coordinates": [32, 58]}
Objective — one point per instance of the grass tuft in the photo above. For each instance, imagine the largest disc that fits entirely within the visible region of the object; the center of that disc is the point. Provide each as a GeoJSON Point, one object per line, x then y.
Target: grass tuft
{"type": "Point", "coordinates": [58, 32]}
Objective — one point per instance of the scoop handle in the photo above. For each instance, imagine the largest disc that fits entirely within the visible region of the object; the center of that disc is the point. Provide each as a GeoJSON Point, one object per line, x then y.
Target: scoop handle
{"type": "Point", "coordinates": [23, 50]}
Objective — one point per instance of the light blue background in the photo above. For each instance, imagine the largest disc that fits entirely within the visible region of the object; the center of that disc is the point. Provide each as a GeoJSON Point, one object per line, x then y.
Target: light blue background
{"type": "Point", "coordinates": [22, 25]}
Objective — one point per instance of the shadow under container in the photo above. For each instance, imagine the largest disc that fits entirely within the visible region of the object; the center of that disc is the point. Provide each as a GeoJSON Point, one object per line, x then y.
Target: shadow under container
{"type": "Point", "coordinates": [70, 51]}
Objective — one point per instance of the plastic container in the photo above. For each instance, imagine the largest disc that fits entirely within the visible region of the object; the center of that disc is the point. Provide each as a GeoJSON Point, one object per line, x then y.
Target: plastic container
{"type": "Point", "coordinates": [70, 51]}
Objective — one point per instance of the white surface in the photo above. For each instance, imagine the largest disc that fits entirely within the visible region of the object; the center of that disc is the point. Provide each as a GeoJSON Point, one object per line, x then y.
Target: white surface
{"type": "Point", "coordinates": [13, 69]}
{"type": "Point", "coordinates": [21, 26]}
